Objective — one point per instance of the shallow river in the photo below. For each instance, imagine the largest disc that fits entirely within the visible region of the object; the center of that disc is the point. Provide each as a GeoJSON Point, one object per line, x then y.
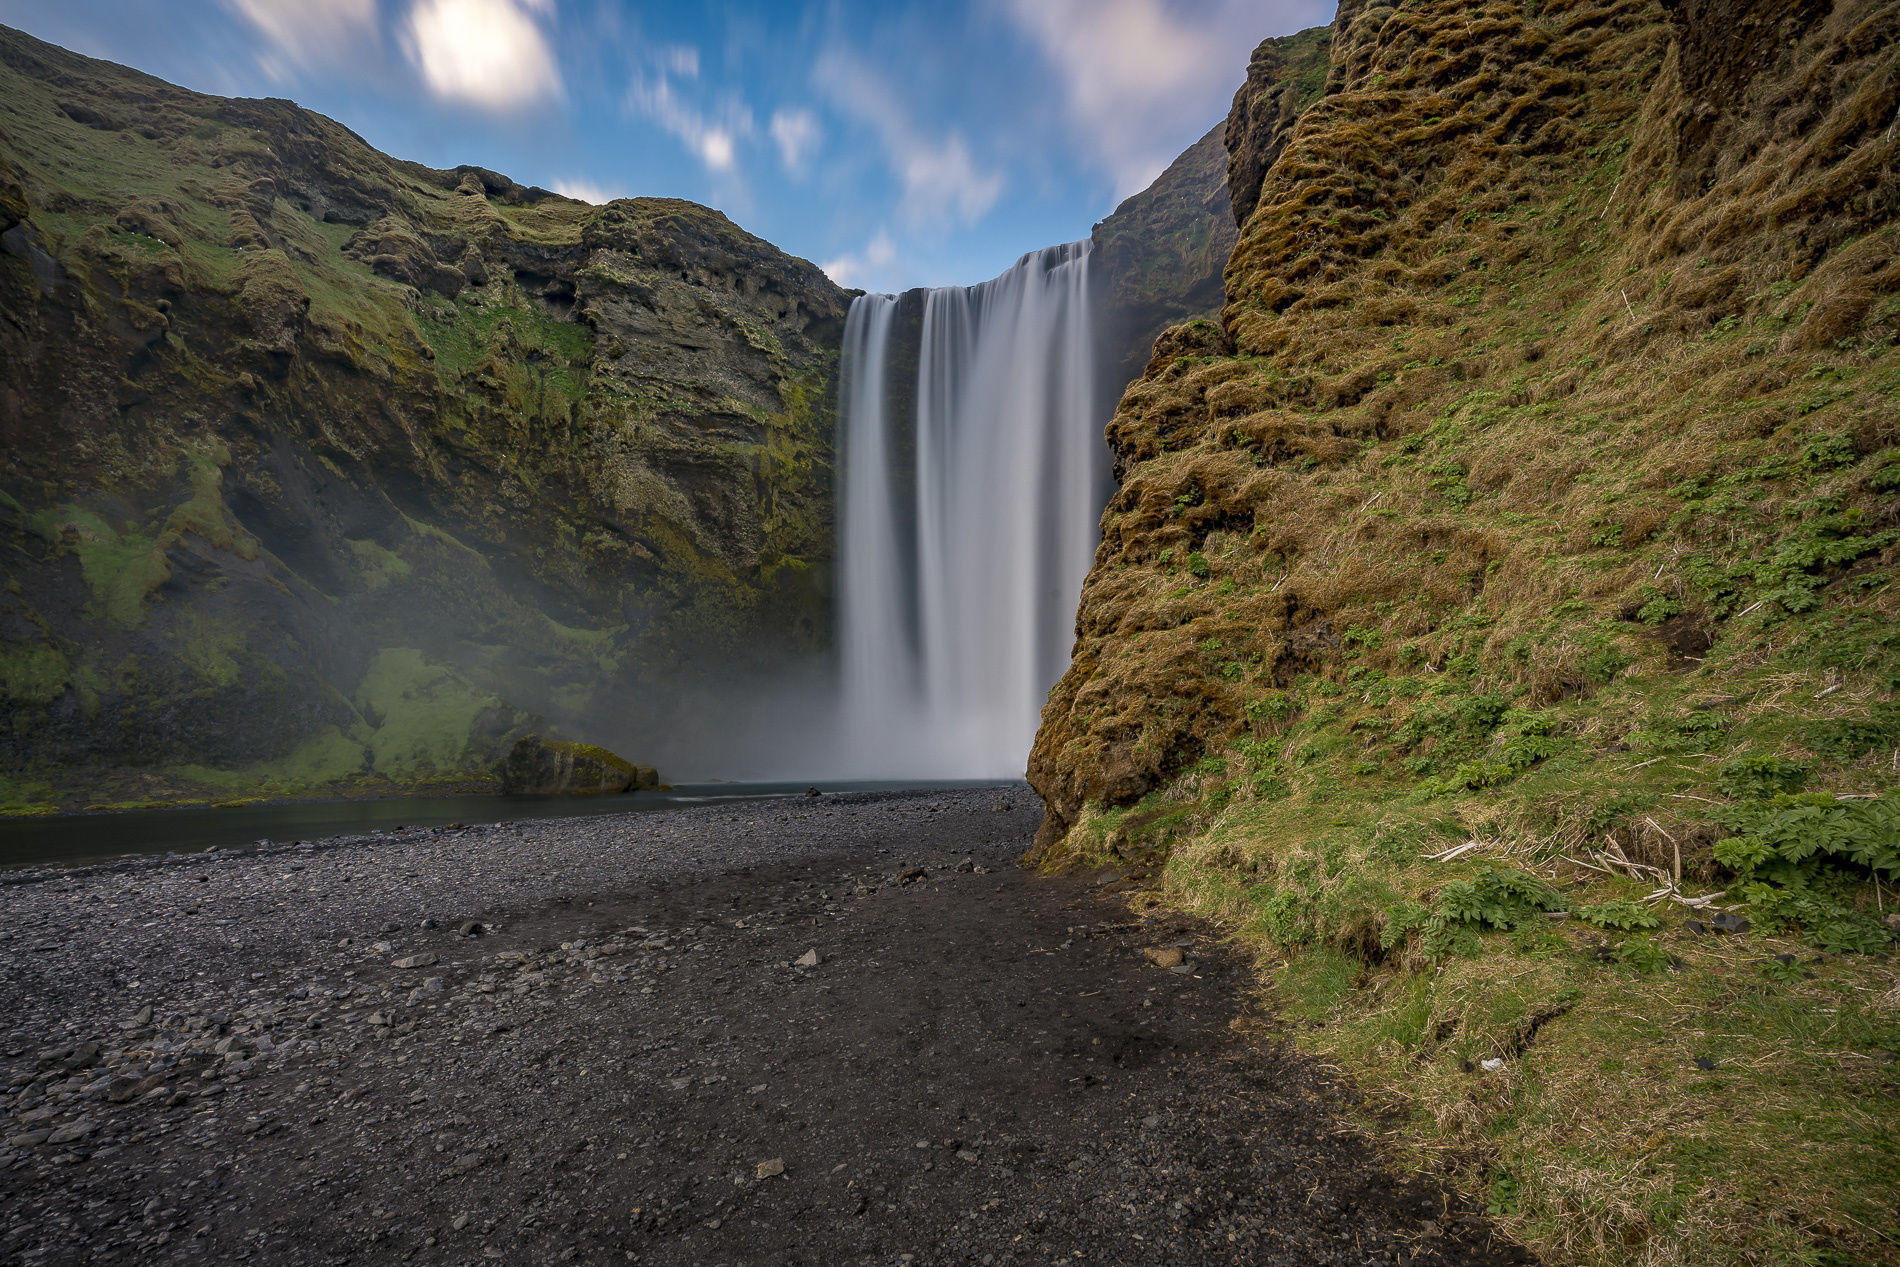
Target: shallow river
{"type": "Point", "coordinates": [76, 838]}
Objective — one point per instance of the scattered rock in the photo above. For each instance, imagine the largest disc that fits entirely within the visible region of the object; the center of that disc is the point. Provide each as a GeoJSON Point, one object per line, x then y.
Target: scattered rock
{"type": "Point", "coordinates": [810, 959]}
{"type": "Point", "coordinates": [472, 928]}
{"type": "Point", "coordinates": [775, 1166]}
{"type": "Point", "coordinates": [71, 1132]}
{"type": "Point", "coordinates": [1165, 956]}
{"type": "Point", "coordinates": [1491, 1064]}
{"type": "Point", "coordinates": [413, 961]}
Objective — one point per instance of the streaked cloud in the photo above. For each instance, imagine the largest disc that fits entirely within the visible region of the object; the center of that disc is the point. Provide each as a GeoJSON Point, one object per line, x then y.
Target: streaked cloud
{"type": "Point", "coordinates": [796, 133]}
{"type": "Point", "coordinates": [712, 134]}
{"type": "Point", "coordinates": [308, 34]}
{"type": "Point", "coordinates": [1137, 75]}
{"type": "Point", "coordinates": [491, 54]}
{"type": "Point", "coordinates": [943, 183]}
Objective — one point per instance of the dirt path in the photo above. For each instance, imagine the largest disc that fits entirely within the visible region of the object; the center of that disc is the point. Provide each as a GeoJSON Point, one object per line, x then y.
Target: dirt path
{"type": "Point", "coordinates": [630, 1064]}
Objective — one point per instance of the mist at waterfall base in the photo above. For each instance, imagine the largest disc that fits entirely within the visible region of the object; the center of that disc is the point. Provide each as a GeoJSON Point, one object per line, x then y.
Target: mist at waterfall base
{"type": "Point", "coordinates": [972, 475]}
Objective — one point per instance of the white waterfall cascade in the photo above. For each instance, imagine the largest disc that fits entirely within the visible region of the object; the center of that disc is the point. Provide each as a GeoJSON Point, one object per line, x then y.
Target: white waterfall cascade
{"type": "Point", "coordinates": [966, 526]}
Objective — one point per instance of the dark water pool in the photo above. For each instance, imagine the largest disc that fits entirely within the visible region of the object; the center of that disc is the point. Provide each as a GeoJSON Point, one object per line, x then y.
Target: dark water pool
{"type": "Point", "coordinates": [78, 838]}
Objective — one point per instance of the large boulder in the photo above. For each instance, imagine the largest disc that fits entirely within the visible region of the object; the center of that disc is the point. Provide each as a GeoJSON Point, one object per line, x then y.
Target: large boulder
{"type": "Point", "coordinates": [539, 766]}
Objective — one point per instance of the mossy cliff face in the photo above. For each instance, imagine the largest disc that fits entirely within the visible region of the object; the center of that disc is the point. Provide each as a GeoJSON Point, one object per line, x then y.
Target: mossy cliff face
{"type": "Point", "coordinates": [1519, 315]}
{"type": "Point", "coordinates": [1529, 518]}
{"type": "Point", "coordinates": [323, 469]}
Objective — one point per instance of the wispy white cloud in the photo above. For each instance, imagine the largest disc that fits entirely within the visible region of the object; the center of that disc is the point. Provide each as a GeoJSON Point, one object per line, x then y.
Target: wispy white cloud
{"type": "Point", "coordinates": [492, 54]}
{"type": "Point", "coordinates": [796, 133]}
{"type": "Point", "coordinates": [864, 268]}
{"type": "Point", "coordinates": [1138, 75]}
{"type": "Point", "coordinates": [942, 181]}
{"type": "Point", "coordinates": [309, 33]}
{"type": "Point", "coordinates": [586, 190]}
{"type": "Point", "coordinates": [680, 59]}
{"type": "Point", "coordinates": [711, 133]}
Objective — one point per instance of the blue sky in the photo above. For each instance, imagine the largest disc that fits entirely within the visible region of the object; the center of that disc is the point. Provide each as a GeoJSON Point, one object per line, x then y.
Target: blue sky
{"type": "Point", "coordinates": [896, 143]}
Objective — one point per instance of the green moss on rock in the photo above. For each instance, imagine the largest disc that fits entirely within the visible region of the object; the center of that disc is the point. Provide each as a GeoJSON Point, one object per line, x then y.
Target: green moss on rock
{"type": "Point", "coordinates": [539, 766]}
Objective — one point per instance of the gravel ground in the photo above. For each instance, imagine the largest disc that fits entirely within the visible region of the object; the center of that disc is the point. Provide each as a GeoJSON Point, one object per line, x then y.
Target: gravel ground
{"type": "Point", "coordinates": [832, 1030]}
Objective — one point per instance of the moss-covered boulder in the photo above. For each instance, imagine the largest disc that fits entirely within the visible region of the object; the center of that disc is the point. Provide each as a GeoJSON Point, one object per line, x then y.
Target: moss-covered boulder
{"type": "Point", "coordinates": [539, 766]}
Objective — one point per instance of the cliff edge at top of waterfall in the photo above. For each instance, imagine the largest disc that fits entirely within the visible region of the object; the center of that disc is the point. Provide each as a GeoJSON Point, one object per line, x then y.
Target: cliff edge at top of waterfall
{"type": "Point", "coordinates": [321, 471]}
{"type": "Point", "coordinates": [1496, 617]}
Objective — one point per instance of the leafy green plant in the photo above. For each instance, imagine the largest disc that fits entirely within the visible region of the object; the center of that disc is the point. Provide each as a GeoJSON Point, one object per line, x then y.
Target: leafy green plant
{"type": "Point", "coordinates": [1521, 752]}
{"type": "Point", "coordinates": [1796, 570]}
{"type": "Point", "coordinates": [1500, 899]}
{"type": "Point", "coordinates": [1604, 662]}
{"type": "Point", "coordinates": [1753, 775]}
{"type": "Point", "coordinates": [1643, 955]}
{"type": "Point", "coordinates": [1799, 858]}
{"type": "Point", "coordinates": [1850, 738]}
{"type": "Point", "coordinates": [1612, 810]}
{"type": "Point", "coordinates": [1789, 839]}
{"type": "Point", "coordinates": [1618, 913]}
{"type": "Point", "coordinates": [1781, 971]}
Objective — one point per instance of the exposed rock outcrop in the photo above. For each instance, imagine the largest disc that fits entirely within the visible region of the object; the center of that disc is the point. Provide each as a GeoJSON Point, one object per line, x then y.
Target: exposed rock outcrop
{"type": "Point", "coordinates": [319, 469]}
{"type": "Point", "coordinates": [1158, 257]}
{"type": "Point", "coordinates": [1285, 75]}
{"type": "Point", "coordinates": [539, 766]}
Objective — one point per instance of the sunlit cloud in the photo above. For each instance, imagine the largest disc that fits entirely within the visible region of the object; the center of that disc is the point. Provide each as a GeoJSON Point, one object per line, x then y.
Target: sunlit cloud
{"type": "Point", "coordinates": [492, 54]}
{"type": "Point", "coordinates": [861, 270]}
{"type": "Point", "coordinates": [585, 190]}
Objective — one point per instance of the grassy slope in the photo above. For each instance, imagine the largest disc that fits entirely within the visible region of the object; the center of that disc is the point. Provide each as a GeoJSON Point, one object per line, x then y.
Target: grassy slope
{"type": "Point", "coordinates": [1538, 495]}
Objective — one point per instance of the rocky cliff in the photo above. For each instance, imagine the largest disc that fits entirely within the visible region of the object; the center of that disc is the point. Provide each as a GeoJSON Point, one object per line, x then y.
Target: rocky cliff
{"type": "Point", "coordinates": [1522, 539]}
{"type": "Point", "coordinates": [1158, 257]}
{"type": "Point", "coordinates": [326, 470]}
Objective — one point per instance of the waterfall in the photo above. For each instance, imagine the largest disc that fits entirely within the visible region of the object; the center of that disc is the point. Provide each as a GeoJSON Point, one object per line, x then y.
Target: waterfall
{"type": "Point", "coordinates": [969, 511]}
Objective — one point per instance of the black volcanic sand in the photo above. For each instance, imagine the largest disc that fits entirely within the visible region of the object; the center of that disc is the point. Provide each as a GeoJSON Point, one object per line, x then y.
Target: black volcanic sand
{"type": "Point", "coordinates": [221, 1060]}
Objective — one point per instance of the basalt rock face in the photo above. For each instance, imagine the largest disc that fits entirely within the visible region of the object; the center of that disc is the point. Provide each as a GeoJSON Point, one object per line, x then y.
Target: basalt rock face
{"type": "Point", "coordinates": [1546, 326]}
{"type": "Point", "coordinates": [323, 470]}
{"type": "Point", "coordinates": [1285, 75]}
{"type": "Point", "coordinates": [1158, 257]}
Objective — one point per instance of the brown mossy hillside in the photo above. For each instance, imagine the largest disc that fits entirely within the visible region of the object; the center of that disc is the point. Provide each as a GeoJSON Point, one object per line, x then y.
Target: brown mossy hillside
{"type": "Point", "coordinates": [1491, 365]}
{"type": "Point", "coordinates": [1520, 544]}
{"type": "Point", "coordinates": [576, 457]}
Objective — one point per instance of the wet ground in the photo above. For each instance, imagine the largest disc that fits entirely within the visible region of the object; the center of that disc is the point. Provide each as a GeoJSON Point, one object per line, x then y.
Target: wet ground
{"type": "Point", "coordinates": [842, 1029]}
